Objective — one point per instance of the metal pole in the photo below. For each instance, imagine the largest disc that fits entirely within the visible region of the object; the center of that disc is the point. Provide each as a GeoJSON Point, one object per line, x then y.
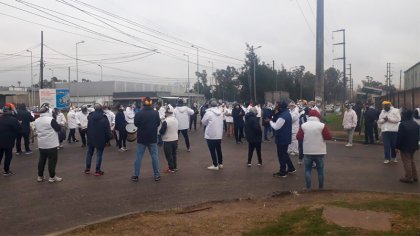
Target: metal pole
{"type": "Point", "coordinates": [212, 79]}
{"type": "Point", "coordinates": [77, 73]}
{"type": "Point", "coordinates": [41, 64]}
{"type": "Point", "coordinates": [319, 92]}
{"type": "Point", "coordinates": [198, 78]}
{"type": "Point", "coordinates": [275, 78]}
{"type": "Point", "coordinates": [31, 97]}
{"type": "Point", "coordinates": [255, 84]}
{"type": "Point", "coordinates": [188, 83]}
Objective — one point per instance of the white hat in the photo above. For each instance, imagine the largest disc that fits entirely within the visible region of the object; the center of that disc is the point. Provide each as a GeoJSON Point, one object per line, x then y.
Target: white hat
{"type": "Point", "coordinates": [169, 109]}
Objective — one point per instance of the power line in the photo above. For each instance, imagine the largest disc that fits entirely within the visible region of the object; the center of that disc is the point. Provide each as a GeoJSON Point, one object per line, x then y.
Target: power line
{"type": "Point", "coordinates": [306, 20]}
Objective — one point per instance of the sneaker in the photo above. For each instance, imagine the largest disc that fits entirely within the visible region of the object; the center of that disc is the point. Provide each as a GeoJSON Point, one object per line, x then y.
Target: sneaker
{"type": "Point", "coordinates": [386, 161]}
{"type": "Point", "coordinates": [267, 140]}
{"type": "Point", "coordinates": [99, 173]}
{"type": "Point", "coordinates": [249, 164]}
{"type": "Point", "coordinates": [259, 164]}
{"type": "Point", "coordinates": [40, 179]}
{"type": "Point", "coordinates": [55, 179]}
{"type": "Point", "coordinates": [87, 172]}
{"type": "Point", "coordinates": [349, 145]}
{"type": "Point", "coordinates": [124, 149]}
{"type": "Point", "coordinates": [278, 174]}
{"type": "Point", "coordinates": [291, 171]}
{"type": "Point", "coordinates": [220, 166]}
{"type": "Point", "coordinates": [299, 162]}
{"type": "Point", "coordinates": [188, 150]}
{"type": "Point", "coordinates": [83, 145]}
{"type": "Point", "coordinates": [169, 170]}
{"type": "Point", "coordinates": [212, 167]}
{"type": "Point", "coordinates": [61, 146]}
{"type": "Point", "coordinates": [121, 150]}
{"type": "Point", "coordinates": [8, 173]}
{"type": "Point", "coordinates": [135, 178]}
{"type": "Point", "coordinates": [18, 153]}
{"type": "Point", "coordinates": [29, 152]}
{"type": "Point", "coordinates": [394, 160]}
{"type": "Point", "coordinates": [157, 178]}
{"type": "Point", "coordinates": [76, 141]}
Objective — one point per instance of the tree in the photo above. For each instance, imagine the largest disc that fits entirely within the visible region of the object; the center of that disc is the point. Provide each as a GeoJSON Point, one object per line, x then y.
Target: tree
{"type": "Point", "coordinates": [201, 84]}
{"type": "Point", "coordinates": [226, 86]}
{"type": "Point", "coordinates": [334, 85]}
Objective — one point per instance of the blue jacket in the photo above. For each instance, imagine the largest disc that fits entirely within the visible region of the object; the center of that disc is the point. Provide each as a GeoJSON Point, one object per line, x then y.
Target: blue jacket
{"type": "Point", "coordinates": [147, 121]}
{"type": "Point", "coordinates": [120, 122]}
{"type": "Point", "coordinates": [284, 134]}
{"type": "Point", "coordinates": [98, 130]}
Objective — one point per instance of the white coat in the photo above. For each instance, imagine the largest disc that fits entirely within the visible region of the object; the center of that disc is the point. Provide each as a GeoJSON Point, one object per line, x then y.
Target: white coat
{"type": "Point", "coordinates": [295, 120]}
{"type": "Point", "coordinates": [393, 122]}
{"type": "Point", "coordinates": [213, 120]}
{"type": "Point", "coordinates": [72, 120]}
{"type": "Point", "coordinates": [182, 114]}
{"type": "Point", "coordinates": [349, 119]}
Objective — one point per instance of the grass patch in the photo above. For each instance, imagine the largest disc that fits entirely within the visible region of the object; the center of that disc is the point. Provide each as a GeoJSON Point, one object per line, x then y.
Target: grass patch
{"type": "Point", "coordinates": [334, 121]}
{"type": "Point", "coordinates": [302, 221]}
{"type": "Point", "coordinates": [305, 221]}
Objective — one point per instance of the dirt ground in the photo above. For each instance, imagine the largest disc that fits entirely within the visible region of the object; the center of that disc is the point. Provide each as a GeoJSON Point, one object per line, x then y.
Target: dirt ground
{"type": "Point", "coordinates": [225, 218]}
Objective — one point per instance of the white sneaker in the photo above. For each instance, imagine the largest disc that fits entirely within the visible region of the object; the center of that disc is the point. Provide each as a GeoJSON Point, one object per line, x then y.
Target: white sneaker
{"type": "Point", "coordinates": [121, 150]}
{"type": "Point", "coordinates": [299, 163]}
{"type": "Point", "coordinates": [212, 167]}
{"type": "Point", "coordinates": [55, 179]}
{"type": "Point", "coordinates": [386, 161]}
{"type": "Point", "coordinates": [349, 145]}
{"type": "Point", "coordinates": [220, 166]}
{"type": "Point", "coordinates": [395, 160]}
{"type": "Point", "coordinates": [40, 178]}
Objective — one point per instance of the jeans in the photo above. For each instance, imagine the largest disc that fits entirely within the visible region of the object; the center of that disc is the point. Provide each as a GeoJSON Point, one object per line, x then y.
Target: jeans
{"type": "Point", "coordinates": [267, 129]}
{"type": "Point", "coordinates": [375, 131]}
{"type": "Point", "coordinates": [284, 159]}
{"type": "Point", "coordinates": [193, 121]}
{"type": "Point", "coordinates": [257, 147]}
{"type": "Point", "coordinates": [122, 138]}
{"type": "Point", "coordinates": [153, 150]}
{"type": "Point", "coordinates": [19, 141]}
{"type": "Point", "coordinates": [369, 133]}
{"type": "Point", "coordinates": [99, 153]}
{"type": "Point", "coordinates": [83, 133]}
{"type": "Point", "coordinates": [50, 155]}
{"type": "Point", "coordinates": [184, 133]}
{"type": "Point", "coordinates": [410, 170]}
{"type": "Point", "coordinates": [239, 132]}
{"type": "Point", "coordinates": [319, 161]}
{"type": "Point", "coordinates": [390, 141]}
{"type": "Point", "coordinates": [8, 153]}
{"type": "Point", "coordinates": [170, 153]}
{"type": "Point", "coordinates": [300, 146]}
{"type": "Point", "coordinates": [350, 133]}
{"type": "Point", "coordinates": [215, 147]}
{"type": "Point", "coordinates": [72, 136]}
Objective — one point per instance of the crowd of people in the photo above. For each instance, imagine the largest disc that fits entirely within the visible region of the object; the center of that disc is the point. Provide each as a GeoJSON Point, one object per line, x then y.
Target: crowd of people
{"type": "Point", "coordinates": [295, 127]}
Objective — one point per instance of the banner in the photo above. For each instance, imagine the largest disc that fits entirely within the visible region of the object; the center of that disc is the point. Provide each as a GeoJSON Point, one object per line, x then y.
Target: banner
{"type": "Point", "coordinates": [48, 96]}
{"type": "Point", "coordinates": [62, 98]}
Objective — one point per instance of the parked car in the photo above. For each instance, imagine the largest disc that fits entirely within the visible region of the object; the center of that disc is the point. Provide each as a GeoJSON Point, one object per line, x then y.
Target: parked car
{"type": "Point", "coordinates": [329, 108]}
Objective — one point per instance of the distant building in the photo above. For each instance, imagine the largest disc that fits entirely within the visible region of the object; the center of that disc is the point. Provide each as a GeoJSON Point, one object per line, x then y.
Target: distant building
{"type": "Point", "coordinates": [412, 77]}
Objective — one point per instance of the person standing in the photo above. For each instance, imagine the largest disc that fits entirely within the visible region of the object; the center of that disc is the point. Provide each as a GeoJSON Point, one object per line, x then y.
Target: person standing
{"type": "Point", "coordinates": [169, 133]}
{"type": "Point", "coordinates": [161, 111]}
{"type": "Point", "coordinates": [193, 117]}
{"type": "Point", "coordinates": [303, 118]}
{"type": "Point", "coordinates": [182, 114]}
{"type": "Point", "coordinates": [129, 114]}
{"type": "Point", "coordinates": [238, 122]}
{"type": "Point", "coordinates": [313, 134]}
{"type": "Point", "coordinates": [266, 114]}
{"type": "Point", "coordinates": [213, 121]}
{"type": "Point", "coordinates": [72, 123]}
{"type": "Point", "coordinates": [82, 123]}
{"type": "Point", "coordinates": [283, 128]}
{"type": "Point", "coordinates": [9, 130]}
{"type": "Point", "coordinates": [389, 120]}
{"type": "Point", "coordinates": [370, 119]}
{"type": "Point", "coordinates": [147, 121]}
{"type": "Point", "coordinates": [253, 135]}
{"type": "Point", "coordinates": [98, 134]}
{"type": "Point", "coordinates": [25, 118]}
{"type": "Point", "coordinates": [349, 123]}
{"type": "Point", "coordinates": [407, 143]}
{"type": "Point", "coordinates": [47, 130]}
{"type": "Point", "coordinates": [61, 120]}
{"type": "Point", "coordinates": [120, 124]}
{"type": "Point", "coordinates": [111, 119]}
{"type": "Point", "coordinates": [294, 112]}
{"type": "Point", "coordinates": [229, 120]}
{"type": "Point", "coordinates": [416, 118]}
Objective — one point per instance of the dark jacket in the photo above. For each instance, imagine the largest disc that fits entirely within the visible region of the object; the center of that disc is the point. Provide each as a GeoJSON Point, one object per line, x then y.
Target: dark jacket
{"type": "Point", "coordinates": [238, 116]}
{"type": "Point", "coordinates": [252, 128]}
{"type": "Point", "coordinates": [194, 108]}
{"type": "Point", "coordinates": [9, 130]}
{"type": "Point", "coordinates": [147, 121]}
{"type": "Point", "coordinates": [98, 130]}
{"type": "Point", "coordinates": [407, 139]}
{"type": "Point", "coordinates": [25, 118]}
{"type": "Point", "coordinates": [120, 121]}
{"type": "Point", "coordinates": [266, 114]}
{"type": "Point", "coordinates": [284, 134]}
{"type": "Point", "coordinates": [370, 116]}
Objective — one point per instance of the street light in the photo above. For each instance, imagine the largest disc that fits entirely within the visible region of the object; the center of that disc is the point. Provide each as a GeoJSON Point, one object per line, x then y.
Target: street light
{"type": "Point", "coordinates": [100, 92]}
{"type": "Point", "coordinates": [255, 84]}
{"type": "Point", "coordinates": [31, 96]}
{"type": "Point", "coordinates": [101, 72]}
{"type": "Point", "coordinates": [77, 72]}
{"type": "Point", "coordinates": [188, 84]}
{"type": "Point", "coordinates": [52, 72]}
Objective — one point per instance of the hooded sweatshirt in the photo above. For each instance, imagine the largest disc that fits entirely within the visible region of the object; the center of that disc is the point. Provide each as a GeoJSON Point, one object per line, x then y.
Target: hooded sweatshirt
{"type": "Point", "coordinates": [182, 114]}
{"type": "Point", "coordinates": [71, 118]}
{"type": "Point", "coordinates": [98, 130]}
{"type": "Point", "coordinates": [213, 120]}
{"type": "Point", "coordinates": [393, 122]}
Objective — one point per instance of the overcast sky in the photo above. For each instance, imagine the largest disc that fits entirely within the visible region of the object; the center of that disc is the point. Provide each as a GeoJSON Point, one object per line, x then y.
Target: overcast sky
{"type": "Point", "coordinates": [377, 32]}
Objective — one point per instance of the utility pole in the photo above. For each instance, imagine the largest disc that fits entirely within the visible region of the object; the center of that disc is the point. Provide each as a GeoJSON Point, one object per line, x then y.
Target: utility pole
{"type": "Point", "coordinates": [400, 80]}
{"type": "Point", "coordinates": [198, 78]}
{"type": "Point", "coordinates": [69, 79]}
{"type": "Point", "coordinates": [319, 91]}
{"type": "Point", "coordinates": [31, 94]}
{"type": "Point", "coordinates": [188, 84]}
{"type": "Point", "coordinates": [255, 68]}
{"type": "Point", "coordinates": [388, 77]}
{"type": "Point", "coordinates": [212, 79]}
{"type": "Point", "coordinates": [344, 60]}
{"type": "Point", "coordinates": [41, 64]}
{"type": "Point", "coordinates": [350, 82]}
{"type": "Point", "coordinates": [274, 73]}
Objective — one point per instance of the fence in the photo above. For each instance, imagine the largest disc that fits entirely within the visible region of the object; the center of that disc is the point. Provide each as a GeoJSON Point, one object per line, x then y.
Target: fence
{"type": "Point", "coordinates": [409, 99]}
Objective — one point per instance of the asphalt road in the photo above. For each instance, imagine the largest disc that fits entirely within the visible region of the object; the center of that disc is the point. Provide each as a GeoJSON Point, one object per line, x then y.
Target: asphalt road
{"type": "Point", "coordinates": [31, 208]}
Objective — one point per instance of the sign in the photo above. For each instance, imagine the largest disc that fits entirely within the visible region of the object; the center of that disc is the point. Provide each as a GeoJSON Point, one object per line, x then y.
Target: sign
{"type": "Point", "coordinates": [62, 98]}
{"type": "Point", "coordinates": [48, 96]}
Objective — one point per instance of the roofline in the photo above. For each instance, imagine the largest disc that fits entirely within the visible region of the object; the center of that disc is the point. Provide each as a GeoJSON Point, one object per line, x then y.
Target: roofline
{"type": "Point", "coordinates": [418, 63]}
